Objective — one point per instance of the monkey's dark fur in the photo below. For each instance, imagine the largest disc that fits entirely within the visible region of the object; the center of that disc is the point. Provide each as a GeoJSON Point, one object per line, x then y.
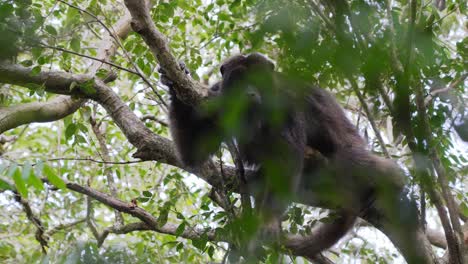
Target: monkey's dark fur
{"type": "Point", "coordinates": [281, 120]}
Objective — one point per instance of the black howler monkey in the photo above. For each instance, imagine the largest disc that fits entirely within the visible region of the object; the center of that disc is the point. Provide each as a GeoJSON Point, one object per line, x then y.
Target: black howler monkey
{"type": "Point", "coordinates": [278, 122]}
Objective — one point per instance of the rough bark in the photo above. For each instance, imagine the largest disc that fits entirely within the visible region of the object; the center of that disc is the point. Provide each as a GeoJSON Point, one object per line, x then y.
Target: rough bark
{"type": "Point", "coordinates": [40, 112]}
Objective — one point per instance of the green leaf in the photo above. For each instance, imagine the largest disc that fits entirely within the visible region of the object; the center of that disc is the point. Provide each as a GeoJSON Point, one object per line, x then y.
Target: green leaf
{"type": "Point", "coordinates": [75, 44]}
{"type": "Point", "coordinates": [200, 243]}
{"type": "Point", "coordinates": [53, 178]}
{"type": "Point", "coordinates": [147, 194]}
{"type": "Point", "coordinates": [26, 172]}
{"type": "Point", "coordinates": [210, 251]}
{"type": "Point", "coordinates": [180, 246]}
{"type": "Point", "coordinates": [4, 185]}
{"type": "Point", "coordinates": [234, 4]}
{"type": "Point", "coordinates": [36, 182]}
{"type": "Point", "coordinates": [43, 60]}
{"type": "Point", "coordinates": [143, 199]}
{"type": "Point", "coordinates": [51, 30]}
{"type": "Point", "coordinates": [224, 16]}
{"type": "Point", "coordinates": [102, 73]}
{"type": "Point", "coordinates": [36, 70]}
{"type": "Point", "coordinates": [20, 184]}
{"type": "Point", "coordinates": [36, 52]}
{"type": "Point", "coordinates": [180, 229]}
{"type": "Point", "coordinates": [31, 178]}
{"type": "Point", "coordinates": [70, 130]}
{"type": "Point", "coordinates": [163, 215]}
{"type": "Point", "coordinates": [27, 63]}
{"type": "Point", "coordinates": [80, 139]}
{"type": "Point", "coordinates": [162, 219]}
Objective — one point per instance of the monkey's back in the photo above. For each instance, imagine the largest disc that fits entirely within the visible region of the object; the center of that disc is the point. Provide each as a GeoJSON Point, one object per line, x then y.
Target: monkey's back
{"type": "Point", "coordinates": [328, 128]}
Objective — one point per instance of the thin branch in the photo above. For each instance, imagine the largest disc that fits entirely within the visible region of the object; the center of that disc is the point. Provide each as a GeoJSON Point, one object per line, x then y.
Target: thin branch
{"type": "Point", "coordinates": [62, 227]}
{"type": "Point", "coordinates": [442, 18]}
{"type": "Point", "coordinates": [396, 64]}
{"type": "Point", "coordinates": [100, 135]}
{"type": "Point", "coordinates": [117, 40]}
{"type": "Point", "coordinates": [92, 58]}
{"type": "Point", "coordinates": [83, 159]}
{"type": "Point", "coordinates": [449, 87]}
{"type": "Point", "coordinates": [40, 236]}
{"type": "Point", "coordinates": [369, 115]}
{"type": "Point", "coordinates": [154, 118]}
{"type": "Point", "coordinates": [149, 222]}
{"type": "Point", "coordinates": [319, 12]}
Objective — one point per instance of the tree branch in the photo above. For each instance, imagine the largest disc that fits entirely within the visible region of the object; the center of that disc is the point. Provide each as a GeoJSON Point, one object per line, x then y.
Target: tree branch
{"type": "Point", "coordinates": [187, 90]}
{"type": "Point", "coordinates": [100, 135]}
{"type": "Point", "coordinates": [293, 243]}
{"type": "Point", "coordinates": [40, 236]}
{"type": "Point", "coordinates": [40, 112]}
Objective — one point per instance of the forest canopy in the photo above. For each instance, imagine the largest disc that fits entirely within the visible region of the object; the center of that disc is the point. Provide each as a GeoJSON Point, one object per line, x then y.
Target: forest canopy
{"type": "Point", "coordinates": [88, 168]}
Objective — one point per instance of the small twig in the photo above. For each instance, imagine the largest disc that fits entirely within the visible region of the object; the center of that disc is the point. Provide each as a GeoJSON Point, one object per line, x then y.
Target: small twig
{"type": "Point", "coordinates": [154, 118]}
{"type": "Point", "coordinates": [4, 139]}
{"type": "Point", "coordinates": [92, 58]}
{"type": "Point", "coordinates": [89, 215]}
{"type": "Point", "coordinates": [319, 12]}
{"type": "Point", "coordinates": [369, 116]}
{"type": "Point", "coordinates": [452, 85]}
{"type": "Point", "coordinates": [442, 18]}
{"type": "Point", "coordinates": [61, 227]}
{"type": "Point", "coordinates": [117, 40]}
{"type": "Point", "coordinates": [84, 159]}
{"type": "Point", "coordinates": [100, 135]}
{"type": "Point", "coordinates": [40, 236]}
{"type": "Point", "coordinates": [396, 64]}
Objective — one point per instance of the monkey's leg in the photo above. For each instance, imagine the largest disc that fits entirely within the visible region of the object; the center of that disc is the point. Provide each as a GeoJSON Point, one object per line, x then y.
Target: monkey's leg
{"type": "Point", "coordinates": [397, 217]}
{"type": "Point", "coordinates": [323, 236]}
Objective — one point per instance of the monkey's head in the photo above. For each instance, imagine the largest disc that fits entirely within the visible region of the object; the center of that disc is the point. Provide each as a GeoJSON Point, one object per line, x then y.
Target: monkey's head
{"type": "Point", "coordinates": [249, 73]}
{"type": "Point", "coordinates": [244, 89]}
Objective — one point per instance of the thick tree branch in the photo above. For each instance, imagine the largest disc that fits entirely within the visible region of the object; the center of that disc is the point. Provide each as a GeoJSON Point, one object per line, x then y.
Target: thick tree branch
{"type": "Point", "coordinates": [187, 90]}
{"type": "Point", "coordinates": [54, 82]}
{"type": "Point", "coordinates": [54, 109]}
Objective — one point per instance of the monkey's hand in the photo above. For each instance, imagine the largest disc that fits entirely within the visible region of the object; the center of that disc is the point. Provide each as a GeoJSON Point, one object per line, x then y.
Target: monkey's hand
{"type": "Point", "coordinates": [166, 80]}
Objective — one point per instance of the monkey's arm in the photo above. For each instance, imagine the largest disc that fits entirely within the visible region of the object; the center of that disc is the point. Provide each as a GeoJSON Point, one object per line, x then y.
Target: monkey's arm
{"type": "Point", "coordinates": [194, 131]}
